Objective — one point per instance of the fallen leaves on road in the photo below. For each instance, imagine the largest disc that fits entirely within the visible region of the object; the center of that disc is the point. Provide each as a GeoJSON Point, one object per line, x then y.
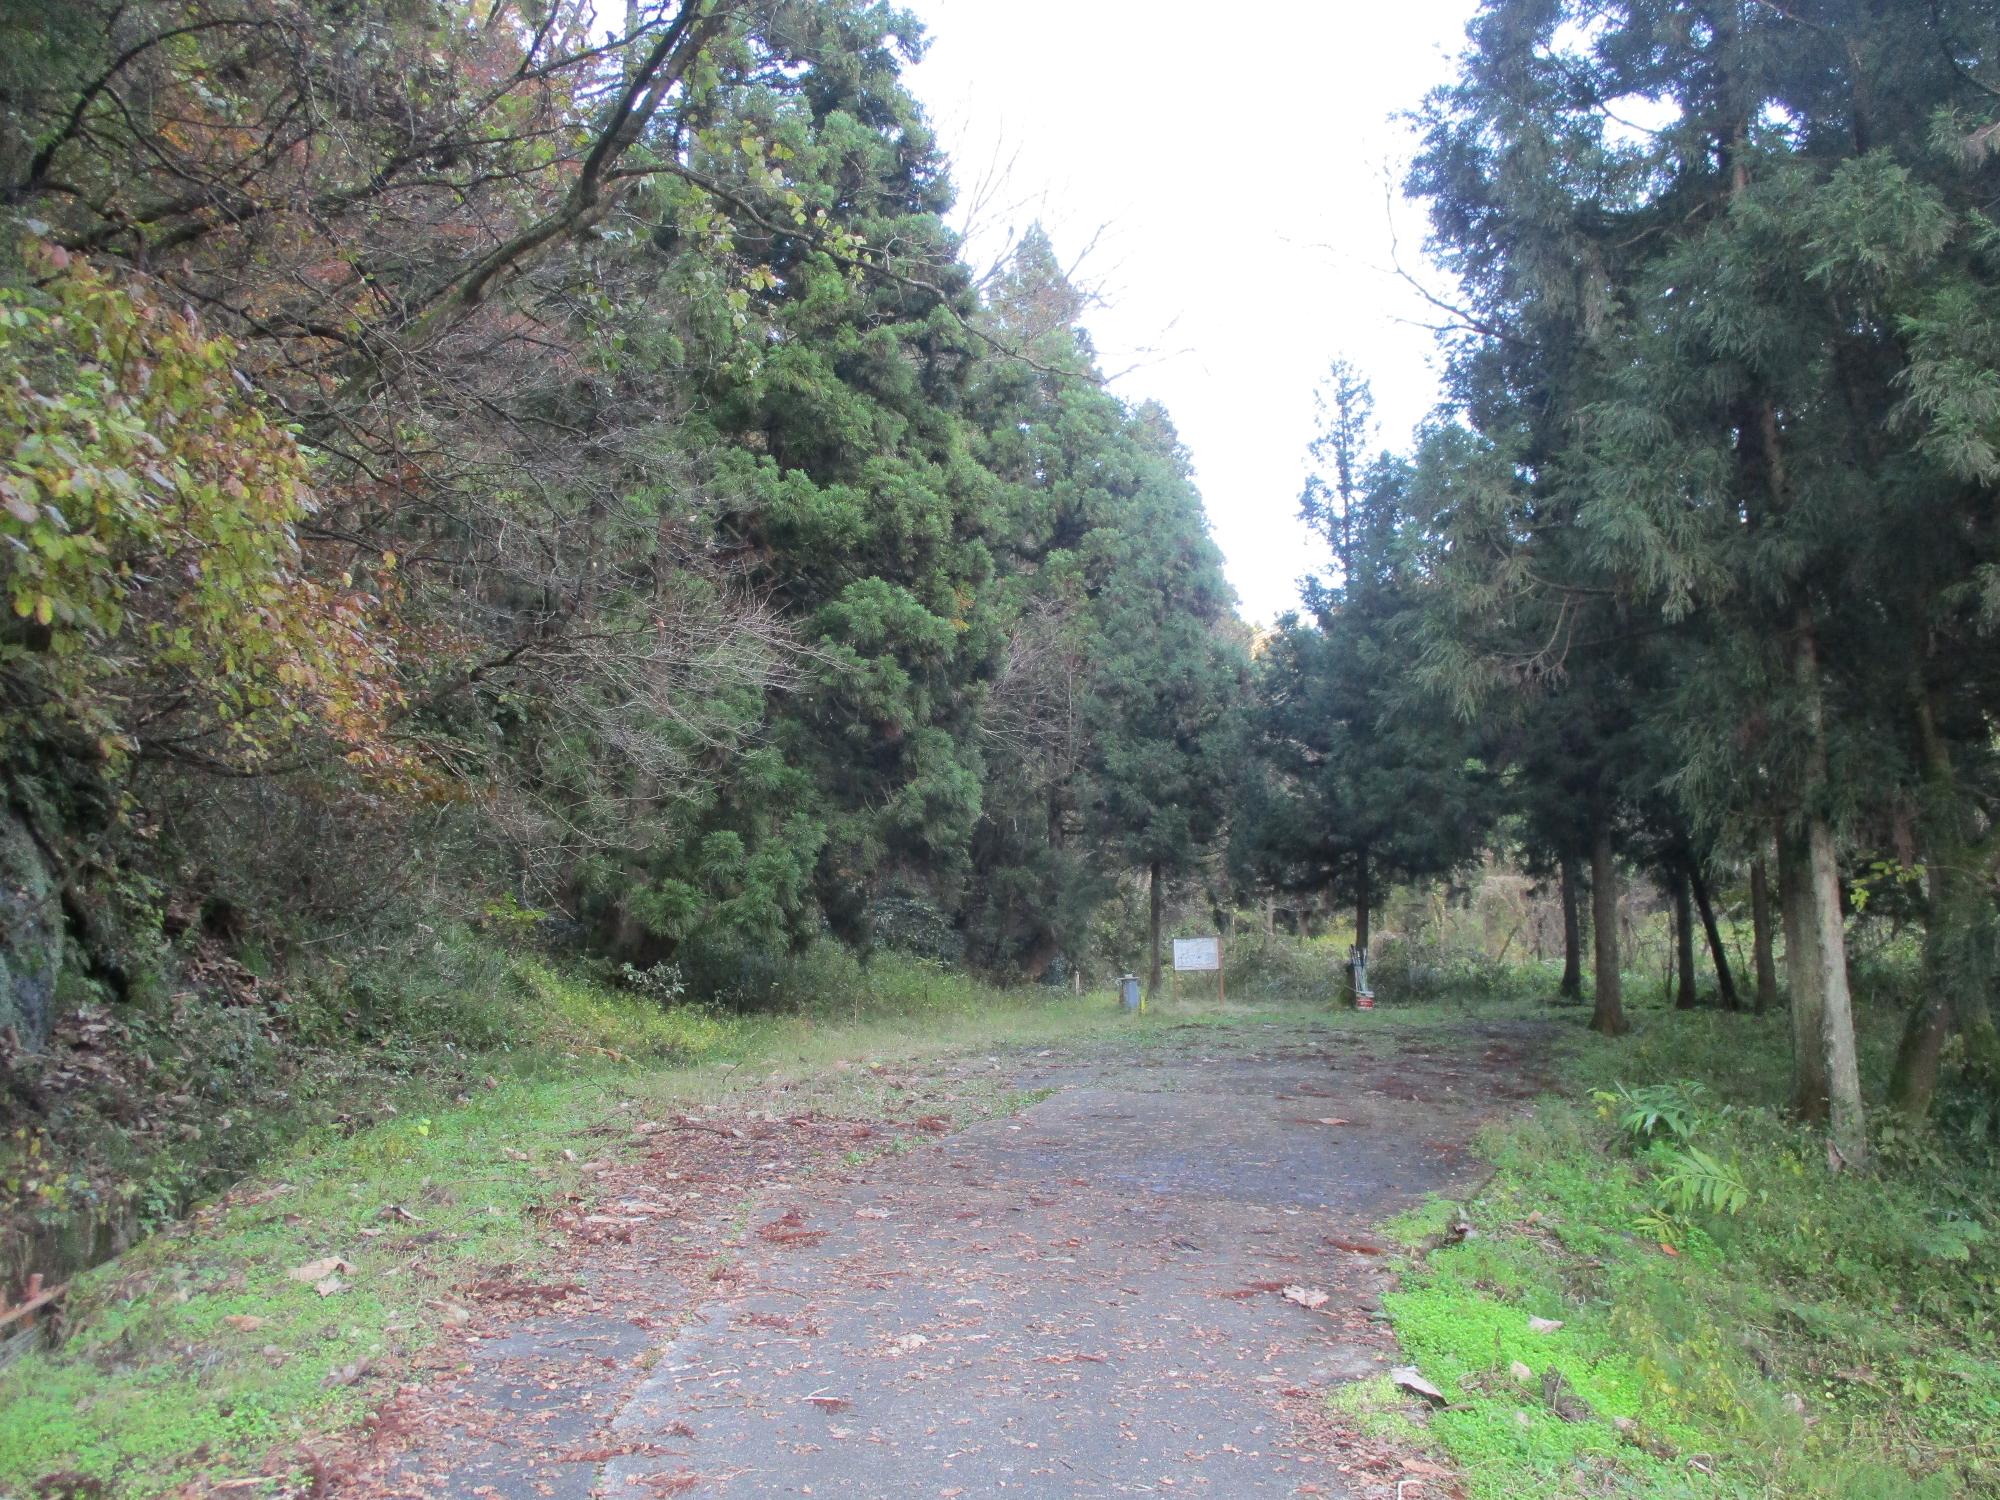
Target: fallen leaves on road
{"type": "Point", "coordinates": [1407, 1377]}
{"type": "Point", "coordinates": [502, 1288]}
{"type": "Point", "coordinates": [1357, 1247]}
{"type": "Point", "coordinates": [670, 1484]}
{"type": "Point", "coordinates": [789, 1229]}
{"type": "Point", "coordinates": [1254, 1289]}
{"type": "Point", "coordinates": [649, 1220]}
{"type": "Point", "coordinates": [609, 1452]}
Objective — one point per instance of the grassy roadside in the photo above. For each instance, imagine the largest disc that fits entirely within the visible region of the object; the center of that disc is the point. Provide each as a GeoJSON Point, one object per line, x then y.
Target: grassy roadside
{"type": "Point", "coordinates": [1734, 1321]}
{"type": "Point", "coordinates": [215, 1344]}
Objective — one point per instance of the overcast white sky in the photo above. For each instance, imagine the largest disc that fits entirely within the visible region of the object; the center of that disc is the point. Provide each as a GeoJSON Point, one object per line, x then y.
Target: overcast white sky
{"type": "Point", "coordinates": [1234, 157]}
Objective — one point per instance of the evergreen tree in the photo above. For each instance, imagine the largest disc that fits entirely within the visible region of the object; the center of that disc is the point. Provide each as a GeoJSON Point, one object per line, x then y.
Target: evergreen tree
{"type": "Point", "coordinates": [1167, 679]}
{"type": "Point", "coordinates": [686, 524]}
{"type": "Point", "coordinates": [1705, 346]}
{"type": "Point", "coordinates": [1354, 787]}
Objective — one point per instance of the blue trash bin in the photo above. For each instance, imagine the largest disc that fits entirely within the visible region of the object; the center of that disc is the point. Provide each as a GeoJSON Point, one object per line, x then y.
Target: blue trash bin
{"type": "Point", "coordinates": [1128, 991]}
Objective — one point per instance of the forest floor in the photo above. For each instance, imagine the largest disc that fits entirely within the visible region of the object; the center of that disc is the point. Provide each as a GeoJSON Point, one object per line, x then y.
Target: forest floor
{"type": "Point", "coordinates": [1144, 1280]}
{"type": "Point", "coordinates": [1051, 1256]}
{"type": "Point", "coordinates": [1021, 1243]}
{"type": "Point", "coordinates": [1141, 1281]}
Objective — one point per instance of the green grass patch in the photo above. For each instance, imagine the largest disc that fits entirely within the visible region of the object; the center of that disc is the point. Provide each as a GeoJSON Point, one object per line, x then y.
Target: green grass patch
{"type": "Point", "coordinates": [1378, 1408]}
{"type": "Point", "coordinates": [200, 1350]}
{"type": "Point", "coordinates": [1736, 1321]}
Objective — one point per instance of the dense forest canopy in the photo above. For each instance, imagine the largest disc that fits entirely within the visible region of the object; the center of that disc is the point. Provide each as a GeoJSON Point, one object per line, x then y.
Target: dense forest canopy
{"type": "Point", "coordinates": [1712, 507]}
{"type": "Point", "coordinates": [1696, 560]}
{"type": "Point", "coordinates": [492, 460]}
{"type": "Point", "coordinates": [465, 465]}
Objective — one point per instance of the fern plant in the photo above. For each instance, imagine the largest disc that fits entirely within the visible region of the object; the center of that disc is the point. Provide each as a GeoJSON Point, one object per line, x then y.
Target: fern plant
{"type": "Point", "coordinates": [1691, 1181]}
{"type": "Point", "coordinates": [1948, 1239]}
{"type": "Point", "coordinates": [1658, 1111]}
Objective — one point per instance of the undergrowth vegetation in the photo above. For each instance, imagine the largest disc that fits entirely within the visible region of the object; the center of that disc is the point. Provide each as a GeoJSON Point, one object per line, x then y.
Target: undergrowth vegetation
{"type": "Point", "coordinates": [1733, 1319]}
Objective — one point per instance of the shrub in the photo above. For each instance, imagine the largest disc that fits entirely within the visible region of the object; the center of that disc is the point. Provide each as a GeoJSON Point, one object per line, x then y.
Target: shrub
{"type": "Point", "coordinates": [149, 504]}
{"type": "Point", "coordinates": [915, 925]}
{"type": "Point", "coordinates": [1422, 968]}
{"type": "Point", "coordinates": [1265, 966]}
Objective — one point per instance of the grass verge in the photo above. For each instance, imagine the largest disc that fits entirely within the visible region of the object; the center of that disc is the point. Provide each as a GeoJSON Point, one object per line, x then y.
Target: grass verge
{"type": "Point", "coordinates": [1734, 1320]}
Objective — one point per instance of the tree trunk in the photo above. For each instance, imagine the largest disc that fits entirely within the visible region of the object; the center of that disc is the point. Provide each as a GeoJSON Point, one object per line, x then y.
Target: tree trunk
{"type": "Point", "coordinates": [1685, 996]}
{"type": "Point", "coordinates": [1153, 933]}
{"type": "Point", "coordinates": [1827, 1078]}
{"type": "Point", "coordinates": [1843, 1069]}
{"type": "Point", "coordinates": [1760, 935]}
{"type": "Point", "coordinates": [1361, 900]}
{"type": "Point", "coordinates": [1608, 1016]}
{"type": "Point", "coordinates": [1958, 958]}
{"type": "Point", "coordinates": [1913, 1079]}
{"type": "Point", "coordinates": [1843, 1066]}
{"type": "Point", "coordinates": [1803, 976]}
{"type": "Point", "coordinates": [1725, 982]}
{"type": "Point", "coordinates": [1572, 980]}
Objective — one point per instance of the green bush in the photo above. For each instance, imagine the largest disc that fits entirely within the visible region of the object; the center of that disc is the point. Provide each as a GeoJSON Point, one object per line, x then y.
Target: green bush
{"type": "Point", "coordinates": [1264, 966]}
{"type": "Point", "coordinates": [917, 926]}
{"type": "Point", "coordinates": [1421, 968]}
{"type": "Point", "coordinates": [565, 1013]}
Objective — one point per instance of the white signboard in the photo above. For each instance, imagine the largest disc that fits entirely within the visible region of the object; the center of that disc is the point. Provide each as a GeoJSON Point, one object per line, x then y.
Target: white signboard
{"type": "Point", "coordinates": [1203, 955]}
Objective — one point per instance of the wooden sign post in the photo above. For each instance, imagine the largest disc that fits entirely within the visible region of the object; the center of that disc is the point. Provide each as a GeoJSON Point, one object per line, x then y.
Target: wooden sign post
{"type": "Point", "coordinates": [1202, 955]}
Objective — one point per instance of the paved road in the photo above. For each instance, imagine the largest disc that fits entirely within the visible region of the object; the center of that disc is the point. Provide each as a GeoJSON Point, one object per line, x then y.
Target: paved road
{"type": "Point", "coordinates": [1086, 1298]}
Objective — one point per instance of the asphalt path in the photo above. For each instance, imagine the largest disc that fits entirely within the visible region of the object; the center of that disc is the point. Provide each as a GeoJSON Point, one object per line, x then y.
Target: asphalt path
{"type": "Point", "coordinates": [1143, 1284]}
